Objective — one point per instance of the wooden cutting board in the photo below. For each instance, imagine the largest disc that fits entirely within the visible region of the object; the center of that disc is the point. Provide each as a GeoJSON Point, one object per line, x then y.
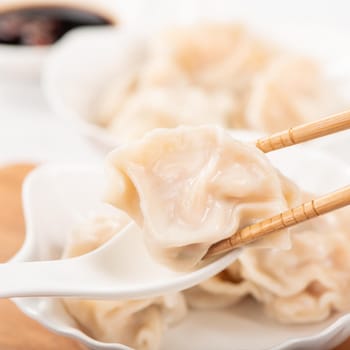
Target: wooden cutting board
{"type": "Point", "coordinates": [17, 331]}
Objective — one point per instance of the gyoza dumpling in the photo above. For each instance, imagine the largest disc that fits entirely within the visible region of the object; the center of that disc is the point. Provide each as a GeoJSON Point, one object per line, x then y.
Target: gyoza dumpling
{"type": "Point", "coordinates": [137, 323]}
{"type": "Point", "coordinates": [291, 91]}
{"type": "Point", "coordinates": [190, 187]}
{"type": "Point", "coordinates": [304, 284]}
{"type": "Point", "coordinates": [214, 56]}
{"type": "Point", "coordinates": [222, 290]}
{"type": "Point", "coordinates": [311, 280]}
{"type": "Point", "coordinates": [170, 107]}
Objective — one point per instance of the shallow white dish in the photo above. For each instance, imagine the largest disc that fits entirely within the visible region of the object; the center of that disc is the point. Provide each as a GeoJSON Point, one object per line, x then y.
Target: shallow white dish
{"type": "Point", "coordinates": [65, 194]}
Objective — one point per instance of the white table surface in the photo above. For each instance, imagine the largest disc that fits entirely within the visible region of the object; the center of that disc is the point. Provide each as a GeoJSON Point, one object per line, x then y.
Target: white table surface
{"type": "Point", "coordinates": [30, 132]}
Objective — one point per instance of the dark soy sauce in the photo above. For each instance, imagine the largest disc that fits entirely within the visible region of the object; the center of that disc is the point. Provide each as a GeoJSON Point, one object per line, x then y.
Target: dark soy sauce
{"type": "Point", "coordinates": [40, 26]}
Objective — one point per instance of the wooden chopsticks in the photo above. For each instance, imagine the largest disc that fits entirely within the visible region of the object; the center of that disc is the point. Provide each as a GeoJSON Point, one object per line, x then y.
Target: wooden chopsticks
{"type": "Point", "coordinates": [291, 217]}
{"type": "Point", "coordinates": [305, 132]}
{"type": "Point", "coordinates": [308, 210]}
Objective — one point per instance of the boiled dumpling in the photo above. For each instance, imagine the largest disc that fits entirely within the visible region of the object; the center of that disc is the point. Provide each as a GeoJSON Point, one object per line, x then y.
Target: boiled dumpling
{"type": "Point", "coordinates": [190, 187]}
{"type": "Point", "coordinates": [291, 91]}
{"type": "Point", "coordinates": [137, 323]}
{"type": "Point", "coordinates": [169, 107]}
{"type": "Point", "coordinates": [220, 57]}
{"type": "Point", "coordinates": [212, 54]}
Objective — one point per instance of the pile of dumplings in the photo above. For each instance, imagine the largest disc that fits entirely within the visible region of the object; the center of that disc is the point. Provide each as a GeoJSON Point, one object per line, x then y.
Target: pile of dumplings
{"type": "Point", "coordinates": [188, 188]}
{"type": "Point", "coordinates": [212, 73]}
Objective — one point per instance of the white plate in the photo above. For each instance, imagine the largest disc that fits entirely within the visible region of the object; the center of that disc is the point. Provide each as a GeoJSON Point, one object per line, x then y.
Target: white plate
{"type": "Point", "coordinates": [63, 195]}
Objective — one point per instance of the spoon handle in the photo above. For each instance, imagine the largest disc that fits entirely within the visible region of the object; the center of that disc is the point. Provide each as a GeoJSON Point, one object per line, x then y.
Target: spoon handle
{"type": "Point", "coordinates": [44, 278]}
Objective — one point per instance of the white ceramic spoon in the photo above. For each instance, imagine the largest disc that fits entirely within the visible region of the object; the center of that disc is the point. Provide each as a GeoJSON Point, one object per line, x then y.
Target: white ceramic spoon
{"type": "Point", "coordinates": [121, 268]}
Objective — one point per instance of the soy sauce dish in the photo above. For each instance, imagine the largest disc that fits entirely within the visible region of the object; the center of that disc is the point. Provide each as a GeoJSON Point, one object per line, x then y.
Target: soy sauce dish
{"type": "Point", "coordinates": [28, 29]}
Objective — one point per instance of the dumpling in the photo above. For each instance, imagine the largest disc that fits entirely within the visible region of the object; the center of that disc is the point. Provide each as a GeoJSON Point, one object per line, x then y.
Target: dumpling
{"type": "Point", "coordinates": [137, 323]}
{"type": "Point", "coordinates": [213, 56]}
{"type": "Point", "coordinates": [94, 231]}
{"type": "Point", "coordinates": [301, 285]}
{"type": "Point", "coordinates": [169, 107]}
{"type": "Point", "coordinates": [222, 290]}
{"type": "Point", "coordinates": [190, 187]}
{"type": "Point", "coordinates": [289, 92]}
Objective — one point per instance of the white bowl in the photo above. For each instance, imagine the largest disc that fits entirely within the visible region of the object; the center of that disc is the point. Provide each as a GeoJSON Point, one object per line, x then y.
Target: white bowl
{"type": "Point", "coordinates": [55, 197]}
{"type": "Point", "coordinates": [25, 62]}
{"type": "Point", "coordinates": [79, 67]}
{"type": "Point", "coordinates": [82, 64]}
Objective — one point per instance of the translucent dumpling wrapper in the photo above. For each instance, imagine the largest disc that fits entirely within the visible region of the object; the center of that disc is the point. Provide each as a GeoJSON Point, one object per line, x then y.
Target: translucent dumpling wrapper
{"type": "Point", "coordinates": [137, 323]}
{"type": "Point", "coordinates": [169, 107]}
{"type": "Point", "coordinates": [211, 54]}
{"type": "Point", "coordinates": [289, 92]}
{"type": "Point", "coordinates": [214, 56]}
{"type": "Point", "coordinates": [301, 285]}
{"type": "Point", "coordinates": [190, 187]}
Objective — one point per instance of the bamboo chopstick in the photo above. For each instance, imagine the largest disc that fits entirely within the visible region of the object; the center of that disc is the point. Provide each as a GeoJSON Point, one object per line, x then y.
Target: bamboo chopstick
{"type": "Point", "coordinates": [291, 217]}
{"type": "Point", "coordinates": [305, 132]}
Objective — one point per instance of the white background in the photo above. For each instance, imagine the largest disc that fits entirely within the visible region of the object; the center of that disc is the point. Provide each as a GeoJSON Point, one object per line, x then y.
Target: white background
{"type": "Point", "coordinates": [30, 131]}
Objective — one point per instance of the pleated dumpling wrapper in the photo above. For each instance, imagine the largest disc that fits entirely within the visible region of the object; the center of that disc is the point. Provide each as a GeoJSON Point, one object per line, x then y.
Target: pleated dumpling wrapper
{"type": "Point", "coordinates": [212, 55]}
{"type": "Point", "coordinates": [290, 91]}
{"type": "Point", "coordinates": [168, 107]}
{"type": "Point", "coordinates": [190, 187]}
{"type": "Point", "coordinates": [301, 285]}
{"type": "Point", "coordinates": [139, 324]}
{"type": "Point", "coordinates": [217, 57]}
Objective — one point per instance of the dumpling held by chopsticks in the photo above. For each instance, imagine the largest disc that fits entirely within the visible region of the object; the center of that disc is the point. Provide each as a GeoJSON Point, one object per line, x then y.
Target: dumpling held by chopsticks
{"type": "Point", "coordinates": [190, 187]}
